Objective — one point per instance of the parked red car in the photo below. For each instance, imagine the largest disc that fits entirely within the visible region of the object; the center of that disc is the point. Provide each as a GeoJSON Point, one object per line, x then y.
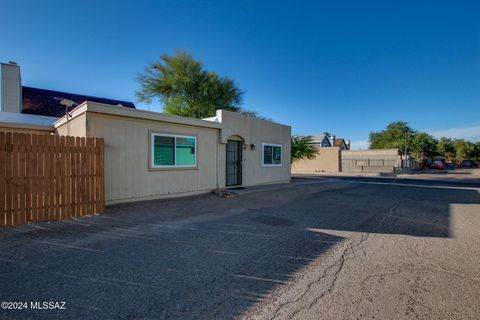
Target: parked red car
{"type": "Point", "coordinates": [438, 165]}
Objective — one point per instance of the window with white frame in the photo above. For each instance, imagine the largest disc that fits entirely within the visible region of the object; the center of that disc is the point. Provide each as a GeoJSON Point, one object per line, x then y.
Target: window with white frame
{"type": "Point", "coordinates": [271, 154]}
{"type": "Point", "coordinates": [170, 151]}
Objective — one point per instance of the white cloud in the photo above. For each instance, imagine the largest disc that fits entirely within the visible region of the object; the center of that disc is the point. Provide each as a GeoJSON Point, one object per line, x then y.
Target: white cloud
{"type": "Point", "coordinates": [468, 133]}
{"type": "Point", "coordinates": [359, 145]}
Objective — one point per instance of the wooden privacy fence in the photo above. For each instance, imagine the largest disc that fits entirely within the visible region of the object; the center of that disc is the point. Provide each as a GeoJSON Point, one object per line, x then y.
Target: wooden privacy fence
{"type": "Point", "coordinates": [49, 177]}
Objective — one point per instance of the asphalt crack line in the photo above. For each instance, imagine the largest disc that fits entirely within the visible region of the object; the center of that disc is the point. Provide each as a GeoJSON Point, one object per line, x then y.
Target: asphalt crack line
{"type": "Point", "coordinates": [343, 259]}
{"type": "Point", "coordinates": [437, 266]}
{"type": "Point", "coordinates": [337, 265]}
{"type": "Point", "coordinates": [453, 273]}
{"type": "Point", "coordinates": [400, 269]}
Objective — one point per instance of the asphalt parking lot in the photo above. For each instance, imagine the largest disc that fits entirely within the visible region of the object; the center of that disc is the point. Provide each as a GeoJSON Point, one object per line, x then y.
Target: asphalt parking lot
{"type": "Point", "coordinates": [320, 248]}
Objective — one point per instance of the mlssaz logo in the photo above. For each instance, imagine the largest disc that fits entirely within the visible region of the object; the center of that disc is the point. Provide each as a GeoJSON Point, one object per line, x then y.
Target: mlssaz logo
{"type": "Point", "coordinates": [47, 305]}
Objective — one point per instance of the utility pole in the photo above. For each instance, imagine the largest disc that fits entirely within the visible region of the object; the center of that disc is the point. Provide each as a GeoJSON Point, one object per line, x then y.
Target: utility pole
{"type": "Point", "coordinates": [406, 149]}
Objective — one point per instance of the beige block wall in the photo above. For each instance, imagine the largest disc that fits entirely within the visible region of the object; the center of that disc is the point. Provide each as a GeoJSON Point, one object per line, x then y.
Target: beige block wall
{"type": "Point", "coordinates": [372, 153]}
{"type": "Point", "coordinates": [127, 173]}
{"type": "Point", "coordinates": [374, 157]}
{"type": "Point", "coordinates": [327, 160]}
{"type": "Point", "coordinates": [256, 132]}
{"type": "Point", "coordinates": [375, 160]}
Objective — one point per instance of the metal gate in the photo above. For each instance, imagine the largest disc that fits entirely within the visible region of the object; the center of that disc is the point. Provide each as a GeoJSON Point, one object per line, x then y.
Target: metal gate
{"type": "Point", "coordinates": [234, 163]}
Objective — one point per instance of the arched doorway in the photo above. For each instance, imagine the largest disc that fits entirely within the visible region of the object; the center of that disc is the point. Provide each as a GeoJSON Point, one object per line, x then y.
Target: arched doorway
{"type": "Point", "coordinates": [234, 161]}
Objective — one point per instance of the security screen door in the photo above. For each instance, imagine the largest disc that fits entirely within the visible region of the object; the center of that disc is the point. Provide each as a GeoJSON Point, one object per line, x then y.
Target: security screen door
{"type": "Point", "coordinates": [234, 163]}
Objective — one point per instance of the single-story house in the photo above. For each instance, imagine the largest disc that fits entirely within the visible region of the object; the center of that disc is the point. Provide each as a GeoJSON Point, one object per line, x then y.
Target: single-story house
{"type": "Point", "coordinates": [150, 155]}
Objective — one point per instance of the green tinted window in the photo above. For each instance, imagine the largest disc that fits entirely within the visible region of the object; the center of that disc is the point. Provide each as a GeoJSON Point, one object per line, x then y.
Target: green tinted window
{"type": "Point", "coordinates": [272, 155]}
{"type": "Point", "coordinates": [184, 151]}
{"type": "Point", "coordinates": [173, 151]}
{"type": "Point", "coordinates": [267, 154]}
{"type": "Point", "coordinates": [163, 151]}
{"type": "Point", "coordinates": [277, 155]}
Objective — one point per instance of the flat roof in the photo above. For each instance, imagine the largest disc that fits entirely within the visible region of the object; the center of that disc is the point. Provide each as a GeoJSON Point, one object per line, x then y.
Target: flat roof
{"type": "Point", "coordinates": [96, 107]}
{"type": "Point", "coordinates": [26, 121]}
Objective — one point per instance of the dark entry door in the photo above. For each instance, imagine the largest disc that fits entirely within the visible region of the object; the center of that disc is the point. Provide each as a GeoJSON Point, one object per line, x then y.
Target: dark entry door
{"type": "Point", "coordinates": [234, 163]}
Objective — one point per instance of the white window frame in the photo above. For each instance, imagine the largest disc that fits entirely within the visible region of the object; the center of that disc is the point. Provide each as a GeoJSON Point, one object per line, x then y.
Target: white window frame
{"type": "Point", "coordinates": [263, 155]}
{"type": "Point", "coordinates": [152, 150]}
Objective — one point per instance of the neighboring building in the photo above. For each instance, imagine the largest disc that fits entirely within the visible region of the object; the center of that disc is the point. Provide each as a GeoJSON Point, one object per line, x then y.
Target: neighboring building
{"type": "Point", "coordinates": [36, 109]}
{"type": "Point", "coordinates": [326, 141]}
{"type": "Point", "coordinates": [341, 143]}
{"type": "Point", "coordinates": [150, 155]}
{"type": "Point", "coordinates": [334, 155]}
{"type": "Point", "coordinates": [328, 156]}
{"type": "Point", "coordinates": [48, 103]}
{"type": "Point", "coordinates": [321, 140]}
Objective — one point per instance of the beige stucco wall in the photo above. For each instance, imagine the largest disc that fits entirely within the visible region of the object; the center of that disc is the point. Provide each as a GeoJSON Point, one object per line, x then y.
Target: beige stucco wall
{"type": "Point", "coordinates": [256, 132]}
{"type": "Point", "coordinates": [127, 173]}
{"type": "Point", "coordinates": [327, 160]}
{"type": "Point", "coordinates": [76, 126]}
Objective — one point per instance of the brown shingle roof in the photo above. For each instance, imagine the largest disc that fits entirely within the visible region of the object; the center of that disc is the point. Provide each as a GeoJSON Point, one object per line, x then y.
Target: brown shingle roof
{"type": "Point", "coordinates": [338, 142]}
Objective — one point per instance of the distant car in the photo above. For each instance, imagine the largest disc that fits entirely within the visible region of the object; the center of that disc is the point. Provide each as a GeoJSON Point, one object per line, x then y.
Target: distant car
{"type": "Point", "coordinates": [467, 164]}
{"type": "Point", "coordinates": [438, 165]}
{"type": "Point", "coordinates": [451, 165]}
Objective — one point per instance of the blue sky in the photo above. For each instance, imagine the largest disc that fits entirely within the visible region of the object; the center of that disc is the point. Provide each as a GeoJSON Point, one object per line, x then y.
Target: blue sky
{"type": "Point", "coordinates": [346, 67]}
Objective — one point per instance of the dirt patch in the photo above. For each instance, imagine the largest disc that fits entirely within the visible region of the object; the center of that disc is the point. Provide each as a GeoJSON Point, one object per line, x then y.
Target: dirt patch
{"type": "Point", "coordinates": [226, 194]}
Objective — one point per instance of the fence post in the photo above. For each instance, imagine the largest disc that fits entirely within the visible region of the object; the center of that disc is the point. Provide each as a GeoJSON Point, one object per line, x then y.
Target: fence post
{"type": "Point", "coordinates": [3, 178]}
{"type": "Point", "coordinates": [101, 175]}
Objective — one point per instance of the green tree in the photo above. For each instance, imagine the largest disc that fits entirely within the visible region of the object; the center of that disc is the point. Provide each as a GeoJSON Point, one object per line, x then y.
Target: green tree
{"type": "Point", "coordinates": [187, 89]}
{"type": "Point", "coordinates": [302, 147]}
{"type": "Point", "coordinates": [393, 137]}
{"type": "Point", "coordinates": [446, 147]}
{"type": "Point", "coordinates": [422, 145]}
{"type": "Point", "coordinates": [477, 151]}
{"type": "Point", "coordinates": [464, 150]}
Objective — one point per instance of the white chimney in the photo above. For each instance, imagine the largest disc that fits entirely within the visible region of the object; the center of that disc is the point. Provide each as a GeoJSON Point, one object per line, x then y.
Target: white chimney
{"type": "Point", "coordinates": [10, 88]}
{"type": "Point", "coordinates": [347, 142]}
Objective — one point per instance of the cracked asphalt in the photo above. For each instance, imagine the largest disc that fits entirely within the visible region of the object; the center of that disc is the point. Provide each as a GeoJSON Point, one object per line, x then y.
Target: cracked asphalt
{"type": "Point", "coordinates": [320, 248]}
